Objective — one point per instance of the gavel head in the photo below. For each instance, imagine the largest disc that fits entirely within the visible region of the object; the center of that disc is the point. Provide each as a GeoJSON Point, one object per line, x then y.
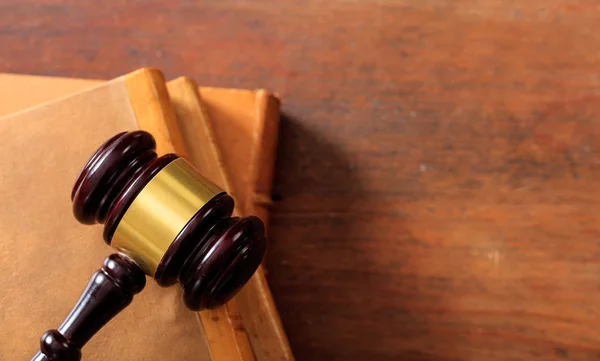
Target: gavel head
{"type": "Point", "coordinates": [169, 219]}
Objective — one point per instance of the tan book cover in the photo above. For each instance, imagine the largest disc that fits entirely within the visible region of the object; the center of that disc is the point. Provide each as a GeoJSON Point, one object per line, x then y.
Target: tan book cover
{"type": "Point", "coordinates": [47, 256]}
{"type": "Point", "coordinates": [265, 329]}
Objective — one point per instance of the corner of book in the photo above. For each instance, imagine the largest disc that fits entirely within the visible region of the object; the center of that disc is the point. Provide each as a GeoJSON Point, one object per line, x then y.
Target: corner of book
{"type": "Point", "coordinates": [149, 72]}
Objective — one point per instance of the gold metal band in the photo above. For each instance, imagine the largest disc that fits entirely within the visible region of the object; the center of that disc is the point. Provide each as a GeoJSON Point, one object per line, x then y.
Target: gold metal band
{"type": "Point", "coordinates": [160, 211]}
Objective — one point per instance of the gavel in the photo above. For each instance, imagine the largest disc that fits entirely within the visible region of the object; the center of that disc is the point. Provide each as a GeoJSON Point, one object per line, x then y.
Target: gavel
{"type": "Point", "coordinates": [166, 221]}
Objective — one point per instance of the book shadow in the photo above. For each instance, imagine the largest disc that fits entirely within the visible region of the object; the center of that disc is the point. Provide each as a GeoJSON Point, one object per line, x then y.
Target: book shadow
{"type": "Point", "coordinates": [322, 264]}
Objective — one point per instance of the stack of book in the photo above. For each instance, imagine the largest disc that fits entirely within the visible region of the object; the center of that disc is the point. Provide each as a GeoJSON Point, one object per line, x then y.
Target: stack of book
{"type": "Point", "coordinates": [49, 128]}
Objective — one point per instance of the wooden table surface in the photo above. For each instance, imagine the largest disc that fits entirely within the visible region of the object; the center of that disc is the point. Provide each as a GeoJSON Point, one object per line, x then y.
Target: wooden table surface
{"type": "Point", "coordinates": [439, 165]}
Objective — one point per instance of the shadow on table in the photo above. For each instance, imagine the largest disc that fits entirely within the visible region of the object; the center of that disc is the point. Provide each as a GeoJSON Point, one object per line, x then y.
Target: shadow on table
{"type": "Point", "coordinates": [324, 274]}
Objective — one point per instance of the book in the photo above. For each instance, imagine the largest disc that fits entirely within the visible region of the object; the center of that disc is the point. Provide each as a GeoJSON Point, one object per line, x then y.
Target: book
{"type": "Point", "coordinates": [240, 145]}
{"type": "Point", "coordinates": [32, 92]}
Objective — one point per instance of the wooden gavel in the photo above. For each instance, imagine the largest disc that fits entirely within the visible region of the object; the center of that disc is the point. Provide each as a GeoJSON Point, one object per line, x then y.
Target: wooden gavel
{"type": "Point", "coordinates": [166, 221]}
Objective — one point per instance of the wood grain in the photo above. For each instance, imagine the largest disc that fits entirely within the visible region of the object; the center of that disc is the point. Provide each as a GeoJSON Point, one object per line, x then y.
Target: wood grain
{"type": "Point", "coordinates": [438, 165]}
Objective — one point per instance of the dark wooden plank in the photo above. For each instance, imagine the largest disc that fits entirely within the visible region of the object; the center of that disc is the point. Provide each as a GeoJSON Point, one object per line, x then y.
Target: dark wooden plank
{"type": "Point", "coordinates": [438, 172]}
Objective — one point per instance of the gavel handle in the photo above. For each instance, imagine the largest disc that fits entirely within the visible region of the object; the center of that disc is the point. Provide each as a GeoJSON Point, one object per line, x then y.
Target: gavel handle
{"type": "Point", "coordinates": [108, 292]}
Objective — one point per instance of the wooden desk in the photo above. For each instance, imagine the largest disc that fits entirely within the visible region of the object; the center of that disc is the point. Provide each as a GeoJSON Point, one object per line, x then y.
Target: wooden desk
{"type": "Point", "coordinates": [438, 179]}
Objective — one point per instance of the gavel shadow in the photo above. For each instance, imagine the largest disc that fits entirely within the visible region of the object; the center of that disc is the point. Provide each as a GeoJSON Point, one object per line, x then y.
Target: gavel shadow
{"type": "Point", "coordinates": [321, 265]}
